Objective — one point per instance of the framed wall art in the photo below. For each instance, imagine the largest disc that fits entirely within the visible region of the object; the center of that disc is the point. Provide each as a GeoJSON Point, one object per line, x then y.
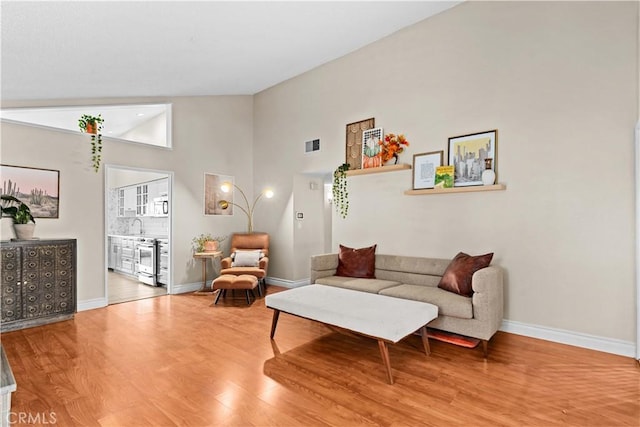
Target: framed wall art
{"type": "Point", "coordinates": [424, 169]}
{"type": "Point", "coordinates": [354, 142]}
{"type": "Point", "coordinates": [213, 194]}
{"type": "Point", "coordinates": [37, 188]}
{"type": "Point", "coordinates": [371, 150]}
{"type": "Point", "coordinates": [467, 153]}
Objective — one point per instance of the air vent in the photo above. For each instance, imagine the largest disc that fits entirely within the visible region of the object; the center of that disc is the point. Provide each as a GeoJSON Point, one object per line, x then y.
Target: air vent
{"type": "Point", "coordinates": [311, 146]}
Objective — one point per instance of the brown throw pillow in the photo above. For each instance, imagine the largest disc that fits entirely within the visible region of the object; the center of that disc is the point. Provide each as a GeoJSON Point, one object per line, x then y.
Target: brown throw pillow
{"type": "Point", "coordinates": [357, 262]}
{"type": "Point", "coordinates": [457, 276]}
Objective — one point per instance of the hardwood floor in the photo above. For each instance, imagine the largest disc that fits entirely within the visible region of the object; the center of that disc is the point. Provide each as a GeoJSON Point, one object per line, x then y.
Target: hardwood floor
{"type": "Point", "coordinates": [180, 360]}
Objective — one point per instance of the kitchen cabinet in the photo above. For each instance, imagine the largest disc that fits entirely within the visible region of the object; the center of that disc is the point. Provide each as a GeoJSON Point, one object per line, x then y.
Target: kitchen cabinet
{"type": "Point", "coordinates": [142, 199]}
{"type": "Point", "coordinates": [127, 201]}
{"type": "Point", "coordinates": [38, 282]}
{"type": "Point", "coordinates": [162, 260]}
{"type": "Point", "coordinates": [157, 189]}
{"type": "Point", "coordinates": [125, 262]}
{"type": "Point", "coordinates": [137, 200]}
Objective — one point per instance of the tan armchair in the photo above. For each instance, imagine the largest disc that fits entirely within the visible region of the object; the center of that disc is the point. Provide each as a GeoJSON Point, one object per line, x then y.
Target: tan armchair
{"type": "Point", "coordinates": [248, 242]}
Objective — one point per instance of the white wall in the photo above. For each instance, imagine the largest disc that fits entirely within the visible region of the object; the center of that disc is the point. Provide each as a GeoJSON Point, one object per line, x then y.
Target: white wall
{"type": "Point", "coordinates": [309, 231]}
{"type": "Point", "coordinates": [210, 134]}
{"type": "Point", "coordinates": [559, 80]}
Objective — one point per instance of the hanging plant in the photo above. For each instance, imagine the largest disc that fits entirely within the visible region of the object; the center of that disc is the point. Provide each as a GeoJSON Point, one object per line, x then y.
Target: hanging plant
{"type": "Point", "coordinates": [340, 193]}
{"type": "Point", "coordinates": [93, 126]}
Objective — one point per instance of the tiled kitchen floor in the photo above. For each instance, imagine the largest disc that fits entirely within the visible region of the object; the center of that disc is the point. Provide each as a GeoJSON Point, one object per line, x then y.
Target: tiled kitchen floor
{"type": "Point", "coordinates": [122, 289]}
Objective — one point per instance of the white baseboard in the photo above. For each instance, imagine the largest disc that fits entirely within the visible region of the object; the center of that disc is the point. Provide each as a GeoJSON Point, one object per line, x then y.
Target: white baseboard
{"type": "Point", "coordinates": [183, 288]}
{"type": "Point", "coordinates": [286, 283]}
{"type": "Point", "coordinates": [90, 304]}
{"type": "Point", "coordinates": [578, 339]}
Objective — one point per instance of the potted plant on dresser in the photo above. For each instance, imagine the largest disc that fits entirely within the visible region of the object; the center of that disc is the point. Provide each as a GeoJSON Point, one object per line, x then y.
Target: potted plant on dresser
{"type": "Point", "coordinates": [23, 222]}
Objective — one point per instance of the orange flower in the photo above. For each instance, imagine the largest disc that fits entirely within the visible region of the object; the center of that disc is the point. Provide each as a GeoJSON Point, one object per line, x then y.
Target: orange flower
{"type": "Point", "coordinates": [392, 145]}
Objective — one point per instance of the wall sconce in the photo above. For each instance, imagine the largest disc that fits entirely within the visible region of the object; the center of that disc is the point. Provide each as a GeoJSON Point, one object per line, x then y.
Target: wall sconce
{"type": "Point", "coordinates": [224, 204]}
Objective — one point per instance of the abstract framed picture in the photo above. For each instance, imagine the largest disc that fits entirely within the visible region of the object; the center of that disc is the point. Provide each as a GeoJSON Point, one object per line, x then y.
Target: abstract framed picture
{"type": "Point", "coordinates": [371, 150]}
{"type": "Point", "coordinates": [213, 194]}
{"type": "Point", "coordinates": [353, 145]}
{"type": "Point", "coordinates": [424, 169]}
{"type": "Point", "coordinates": [467, 153]}
{"type": "Point", "coordinates": [37, 188]}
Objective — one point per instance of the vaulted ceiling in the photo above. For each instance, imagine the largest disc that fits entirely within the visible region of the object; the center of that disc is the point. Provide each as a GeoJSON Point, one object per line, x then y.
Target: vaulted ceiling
{"type": "Point", "coordinates": [70, 49]}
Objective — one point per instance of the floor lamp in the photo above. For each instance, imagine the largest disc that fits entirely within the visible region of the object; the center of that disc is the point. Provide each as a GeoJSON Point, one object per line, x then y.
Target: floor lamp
{"type": "Point", "coordinates": [248, 209]}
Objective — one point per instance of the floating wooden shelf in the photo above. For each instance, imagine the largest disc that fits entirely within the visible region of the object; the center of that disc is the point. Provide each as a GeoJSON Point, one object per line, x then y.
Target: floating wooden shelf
{"type": "Point", "coordinates": [381, 169]}
{"type": "Point", "coordinates": [470, 189]}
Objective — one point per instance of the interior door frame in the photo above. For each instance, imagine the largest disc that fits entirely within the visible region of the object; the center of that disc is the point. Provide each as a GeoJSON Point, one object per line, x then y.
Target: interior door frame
{"type": "Point", "coordinates": [637, 254]}
{"type": "Point", "coordinates": [170, 176]}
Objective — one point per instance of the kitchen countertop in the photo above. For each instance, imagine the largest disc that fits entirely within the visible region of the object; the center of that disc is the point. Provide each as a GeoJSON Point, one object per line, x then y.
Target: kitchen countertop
{"type": "Point", "coordinates": [148, 236]}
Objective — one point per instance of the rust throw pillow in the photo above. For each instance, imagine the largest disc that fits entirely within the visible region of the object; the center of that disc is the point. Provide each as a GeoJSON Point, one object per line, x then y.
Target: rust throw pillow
{"type": "Point", "coordinates": [357, 262]}
{"type": "Point", "coordinates": [457, 276]}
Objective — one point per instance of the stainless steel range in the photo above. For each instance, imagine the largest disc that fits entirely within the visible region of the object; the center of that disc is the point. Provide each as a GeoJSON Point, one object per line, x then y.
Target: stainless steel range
{"type": "Point", "coordinates": [146, 260]}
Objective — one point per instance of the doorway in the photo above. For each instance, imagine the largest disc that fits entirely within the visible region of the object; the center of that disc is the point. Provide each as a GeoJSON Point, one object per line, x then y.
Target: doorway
{"type": "Point", "coordinates": [137, 233]}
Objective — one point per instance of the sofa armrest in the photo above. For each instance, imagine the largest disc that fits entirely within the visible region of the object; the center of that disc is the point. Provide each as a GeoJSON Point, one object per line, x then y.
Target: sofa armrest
{"type": "Point", "coordinates": [263, 263]}
{"type": "Point", "coordinates": [225, 262]}
{"type": "Point", "coordinates": [488, 296]}
{"type": "Point", "coordinates": [323, 266]}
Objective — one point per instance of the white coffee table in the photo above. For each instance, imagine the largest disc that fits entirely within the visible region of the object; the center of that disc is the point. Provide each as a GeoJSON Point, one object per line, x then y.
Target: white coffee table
{"type": "Point", "coordinates": [386, 319]}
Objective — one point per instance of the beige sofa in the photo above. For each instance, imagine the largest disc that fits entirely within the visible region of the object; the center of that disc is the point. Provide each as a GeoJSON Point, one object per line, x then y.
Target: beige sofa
{"type": "Point", "coordinates": [415, 278]}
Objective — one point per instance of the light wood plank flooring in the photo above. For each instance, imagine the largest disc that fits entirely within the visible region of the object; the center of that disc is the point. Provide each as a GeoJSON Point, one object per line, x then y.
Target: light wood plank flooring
{"type": "Point", "coordinates": [179, 360]}
{"type": "Point", "coordinates": [122, 289]}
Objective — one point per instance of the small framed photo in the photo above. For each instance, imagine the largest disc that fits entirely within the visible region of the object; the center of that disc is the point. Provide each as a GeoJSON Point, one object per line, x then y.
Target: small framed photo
{"type": "Point", "coordinates": [467, 153]}
{"type": "Point", "coordinates": [424, 169]}
{"type": "Point", "coordinates": [37, 188]}
{"type": "Point", "coordinates": [371, 149]}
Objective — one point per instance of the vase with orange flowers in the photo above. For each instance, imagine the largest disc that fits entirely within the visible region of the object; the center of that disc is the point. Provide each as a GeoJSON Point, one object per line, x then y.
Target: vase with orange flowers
{"type": "Point", "coordinates": [392, 145]}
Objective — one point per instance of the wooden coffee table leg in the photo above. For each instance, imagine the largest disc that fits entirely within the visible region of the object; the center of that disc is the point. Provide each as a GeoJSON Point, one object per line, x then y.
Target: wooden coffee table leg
{"type": "Point", "coordinates": [384, 352]}
{"type": "Point", "coordinates": [274, 322]}
{"type": "Point", "coordinates": [425, 340]}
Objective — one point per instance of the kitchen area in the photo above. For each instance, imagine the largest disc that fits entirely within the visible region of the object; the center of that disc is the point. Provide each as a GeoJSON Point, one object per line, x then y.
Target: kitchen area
{"type": "Point", "coordinates": [138, 233]}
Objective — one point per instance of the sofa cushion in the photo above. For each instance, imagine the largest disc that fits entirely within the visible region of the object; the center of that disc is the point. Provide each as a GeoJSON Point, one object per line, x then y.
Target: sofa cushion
{"type": "Point", "coordinates": [409, 264]}
{"type": "Point", "coordinates": [457, 277]}
{"type": "Point", "coordinates": [357, 262]}
{"type": "Point", "coordinates": [373, 286]}
{"type": "Point", "coordinates": [449, 304]}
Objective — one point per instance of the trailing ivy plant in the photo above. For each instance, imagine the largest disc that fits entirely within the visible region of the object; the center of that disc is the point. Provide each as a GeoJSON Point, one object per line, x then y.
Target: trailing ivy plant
{"type": "Point", "coordinates": [93, 125]}
{"type": "Point", "coordinates": [340, 193]}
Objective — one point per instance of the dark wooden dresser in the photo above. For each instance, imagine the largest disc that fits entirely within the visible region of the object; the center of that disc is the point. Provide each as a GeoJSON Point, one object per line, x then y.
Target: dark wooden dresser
{"type": "Point", "coordinates": [38, 283]}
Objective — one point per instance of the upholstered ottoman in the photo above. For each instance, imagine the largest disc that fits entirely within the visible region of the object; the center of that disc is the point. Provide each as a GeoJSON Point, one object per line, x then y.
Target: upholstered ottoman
{"type": "Point", "coordinates": [230, 281]}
